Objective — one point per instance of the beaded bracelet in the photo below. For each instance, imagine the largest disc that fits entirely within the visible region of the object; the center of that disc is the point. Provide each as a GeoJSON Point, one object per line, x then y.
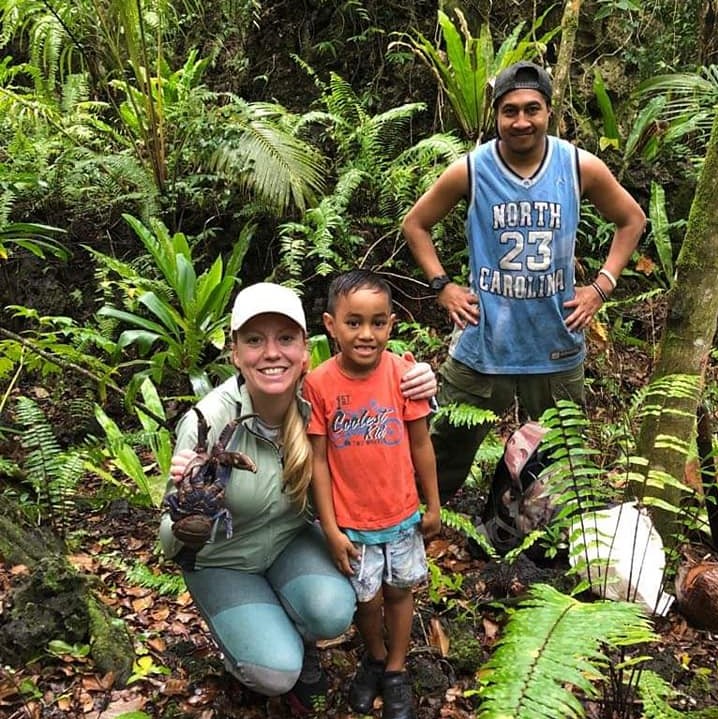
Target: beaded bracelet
{"type": "Point", "coordinates": [599, 289]}
{"type": "Point", "coordinates": [603, 271]}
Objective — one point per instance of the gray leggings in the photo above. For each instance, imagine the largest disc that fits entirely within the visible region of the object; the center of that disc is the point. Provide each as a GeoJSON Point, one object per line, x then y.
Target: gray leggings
{"type": "Point", "coordinates": [260, 620]}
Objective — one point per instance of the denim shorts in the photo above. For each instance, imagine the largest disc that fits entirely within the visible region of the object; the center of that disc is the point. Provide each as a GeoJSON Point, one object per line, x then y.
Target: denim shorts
{"type": "Point", "coordinates": [400, 563]}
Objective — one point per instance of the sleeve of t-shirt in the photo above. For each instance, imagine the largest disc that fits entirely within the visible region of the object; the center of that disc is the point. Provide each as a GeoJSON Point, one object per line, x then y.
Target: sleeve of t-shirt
{"type": "Point", "coordinates": [317, 420]}
{"type": "Point", "coordinates": [416, 409]}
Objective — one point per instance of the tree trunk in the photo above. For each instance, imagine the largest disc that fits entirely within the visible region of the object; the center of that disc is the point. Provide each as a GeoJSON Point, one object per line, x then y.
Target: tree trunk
{"type": "Point", "coordinates": [569, 26]}
{"type": "Point", "coordinates": [687, 340]}
{"type": "Point", "coordinates": [54, 602]}
{"type": "Point", "coordinates": [708, 33]}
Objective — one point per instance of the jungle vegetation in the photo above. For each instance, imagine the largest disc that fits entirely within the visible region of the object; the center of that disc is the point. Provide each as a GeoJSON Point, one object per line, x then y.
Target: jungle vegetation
{"type": "Point", "coordinates": [156, 155]}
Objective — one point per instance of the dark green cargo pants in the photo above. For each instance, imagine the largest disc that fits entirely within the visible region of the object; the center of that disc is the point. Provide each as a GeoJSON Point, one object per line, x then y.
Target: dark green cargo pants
{"type": "Point", "coordinates": [455, 447]}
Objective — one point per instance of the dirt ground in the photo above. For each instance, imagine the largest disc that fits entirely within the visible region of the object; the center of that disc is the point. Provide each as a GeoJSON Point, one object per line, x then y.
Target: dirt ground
{"type": "Point", "coordinates": [183, 676]}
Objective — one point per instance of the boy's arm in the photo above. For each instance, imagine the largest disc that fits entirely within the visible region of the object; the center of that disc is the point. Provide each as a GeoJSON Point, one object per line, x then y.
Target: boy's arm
{"type": "Point", "coordinates": [422, 454]}
{"type": "Point", "coordinates": [340, 545]}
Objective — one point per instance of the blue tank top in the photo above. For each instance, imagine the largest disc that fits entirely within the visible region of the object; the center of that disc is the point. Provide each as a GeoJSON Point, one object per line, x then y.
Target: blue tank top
{"type": "Point", "coordinates": [521, 235]}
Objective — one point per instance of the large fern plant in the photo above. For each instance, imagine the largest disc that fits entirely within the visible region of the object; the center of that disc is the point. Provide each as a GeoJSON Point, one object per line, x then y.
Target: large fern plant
{"type": "Point", "coordinates": [53, 473]}
{"type": "Point", "coordinates": [551, 652]}
{"type": "Point", "coordinates": [551, 659]}
{"type": "Point", "coordinates": [377, 171]}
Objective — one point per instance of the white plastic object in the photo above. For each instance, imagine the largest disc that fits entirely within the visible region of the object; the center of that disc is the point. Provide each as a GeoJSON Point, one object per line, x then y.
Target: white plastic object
{"type": "Point", "coordinates": [625, 556]}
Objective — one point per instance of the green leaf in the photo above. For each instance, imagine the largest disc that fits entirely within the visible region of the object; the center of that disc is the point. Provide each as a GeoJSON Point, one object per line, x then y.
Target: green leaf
{"type": "Point", "coordinates": [610, 126]}
{"type": "Point", "coordinates": [465, 415]}
{"type": "Point", "coordinates": [210, 292]}
{"type": "Point", "coordinates": [142, 338]}
{"type": "Point", "coordinates": [550, 650]}
{"type": "Point", "coordinates": [319, 350]}
{"type": "Point", "coordinates": [122, 455]}
{"type": "Point", "coordinates": [164, 260]}
{"type": "Point", "coordinates": [186, 284]}
{"type": "Point", "coordinates": [606, 142]}
{"type": "Point", "coordinates": [160, 438]}
{"type": "Point", "coordinates": [171, 320]}
{"type": "Point", "coordinates": [643, 124]}
{"type": "Point", "coordinates": [659, 230]}
{"type": "Point", "coordinates": [131, 319]}
{"type": "Point", "coordinates": [59, 647]}
{"type": "Point", "coordinates": [144, 666]}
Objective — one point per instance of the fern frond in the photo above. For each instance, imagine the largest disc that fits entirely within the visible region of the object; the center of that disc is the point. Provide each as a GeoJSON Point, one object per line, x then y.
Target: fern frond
{"type": "Point", "coordinates": [436, 151]}
{"type": "Point", "coordinates": [465, 415]}
{"type": "Point", "coordinates": [293, 242]}
{"type": "Point", "coordinates": [329, 232]}
{"type": "Point", "coordinates": [63, 488]}
{"type": "Point", "coordinates": [261, 156]}
{"type": "Point", "coordinates": [655, 692]}
{"type": "Point", "coordinates": [573, 476]}
{"type": "Point", "coordinates": [347, 185]}
{"type": "Point", "coordinates": [306, 122]}
{"type": "Point", "coordinates": [43, 450]}
{"type": "Point", "coordinates": [663, 389]}
{"type": "Point", "coordinates": [462, 523]}
{"type": "Point", "coordinates": [412, 171]}
{"type": "Point", "coordinates": [385, 134]}
{"type": "Point", "coordinates": [550, 650]}
{"type": "Point", "coordinates": [75, 90]}
{"type": "Point", "coordinates": [322, 239]}
{"type": "Point", "coordinates": [54, 474]}
{"type": "Point", "coordinates": [342, 102]}
{"type": "Point", "coordinates": [8, 468]}
{"type": "Point", "coordinates": [141, 575]}
{"type": "Point", "coordinates": [661, 401]}
{"type": "Point", "coordinates": [130, 279]}
{"type": "Point", "coordinates": [104, 179]}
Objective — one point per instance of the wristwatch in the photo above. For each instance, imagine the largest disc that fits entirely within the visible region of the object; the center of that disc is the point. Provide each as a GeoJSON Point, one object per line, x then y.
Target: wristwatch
{"type": "Point", "coordinates": [439, 282]}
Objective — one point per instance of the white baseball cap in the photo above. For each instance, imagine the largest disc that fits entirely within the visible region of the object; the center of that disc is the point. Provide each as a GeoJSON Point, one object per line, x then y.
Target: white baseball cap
{"type": "Point", "coordinates": [267, 297]}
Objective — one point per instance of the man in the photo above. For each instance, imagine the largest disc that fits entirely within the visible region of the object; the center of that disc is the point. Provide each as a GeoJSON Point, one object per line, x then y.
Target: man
{"type": "Point", "coordinates": [519, 326]}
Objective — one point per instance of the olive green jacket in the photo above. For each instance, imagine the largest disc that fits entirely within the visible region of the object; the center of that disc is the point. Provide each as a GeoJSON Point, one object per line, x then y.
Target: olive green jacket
{"type": "Point", "coordinates": [264, 520]}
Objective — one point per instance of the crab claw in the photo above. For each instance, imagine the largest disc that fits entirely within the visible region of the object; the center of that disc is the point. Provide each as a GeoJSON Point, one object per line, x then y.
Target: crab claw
{"type": "Point", "coordinates": [238, 460]}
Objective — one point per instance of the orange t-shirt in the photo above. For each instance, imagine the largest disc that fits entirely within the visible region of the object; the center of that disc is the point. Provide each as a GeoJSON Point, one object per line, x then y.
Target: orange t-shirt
{"type": "Point", "coordinates": [368, 449]}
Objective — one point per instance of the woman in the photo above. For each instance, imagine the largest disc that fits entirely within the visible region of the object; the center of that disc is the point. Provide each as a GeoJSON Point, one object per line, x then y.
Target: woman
{"type": "Point", "coordinates": [268, 589]}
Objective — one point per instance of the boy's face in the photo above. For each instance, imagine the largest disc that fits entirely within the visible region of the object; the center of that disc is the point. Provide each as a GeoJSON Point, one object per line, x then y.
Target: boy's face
{"type": "Point", "coordinates": [361, 325]}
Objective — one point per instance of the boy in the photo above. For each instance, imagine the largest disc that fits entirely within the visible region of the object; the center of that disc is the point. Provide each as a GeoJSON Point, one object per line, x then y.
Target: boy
{"type": "Point", "coordinates": [370, 445]}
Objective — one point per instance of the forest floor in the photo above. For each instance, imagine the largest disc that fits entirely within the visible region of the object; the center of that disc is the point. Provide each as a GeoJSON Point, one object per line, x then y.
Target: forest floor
{"type": "Point", "coordinates": [182, 675]}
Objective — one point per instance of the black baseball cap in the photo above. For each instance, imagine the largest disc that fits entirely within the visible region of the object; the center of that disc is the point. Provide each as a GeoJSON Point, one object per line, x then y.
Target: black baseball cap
{"type": "Point", "coordinates": [522, 76]}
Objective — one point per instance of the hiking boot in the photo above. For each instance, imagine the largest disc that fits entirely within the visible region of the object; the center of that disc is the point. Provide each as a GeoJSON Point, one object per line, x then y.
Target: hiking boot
{"type": "Point", "coordinates": [398, 696]}
{"type": "Point", "coordinates": [366, 685]}
{"type": "Point", "coordinates": [309, 695]}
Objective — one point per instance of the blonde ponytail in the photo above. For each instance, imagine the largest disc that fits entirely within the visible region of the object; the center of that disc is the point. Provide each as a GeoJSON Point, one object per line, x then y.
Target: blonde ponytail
{"type": "Point", "coordinates": [297, 456]}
